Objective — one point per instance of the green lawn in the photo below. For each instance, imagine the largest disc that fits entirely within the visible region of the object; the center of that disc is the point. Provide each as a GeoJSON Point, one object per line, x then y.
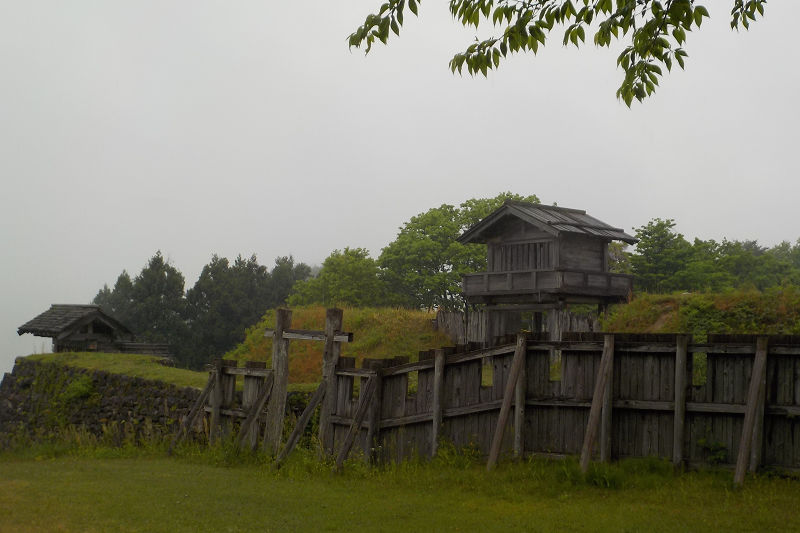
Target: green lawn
{"type": "Point", "coordinates": [149, 493]}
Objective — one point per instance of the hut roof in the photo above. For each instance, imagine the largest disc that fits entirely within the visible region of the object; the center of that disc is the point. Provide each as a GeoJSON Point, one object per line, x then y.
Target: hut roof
{"type": "Point", "coordinates": [64, 317]}
{"type": "Point", "coordinates": [551, 219]}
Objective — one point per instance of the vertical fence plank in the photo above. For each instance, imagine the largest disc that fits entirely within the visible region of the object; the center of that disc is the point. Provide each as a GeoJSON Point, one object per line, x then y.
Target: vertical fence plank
{"type": "Point", "coordinates": [520, 394]}
{"type": "Point", "coordinates": [277, 400]}
{"type": "Point", "coordinates": [754, 401]}
{"type": "Point", "coordinates": [680, 401]}
{"type": "Point", "coordinates": [502, 419]}
{"type": "Point", "coordinates": [605, 422]}
{"type": "Point", "coordinates": [250, 390]}
{"type": "Point", "coordinates": [438, 382]}
{"type": "Point", "coordinates": [372, 440]}
{"type": "Point", "coordinates": [757, 437]}
{"type": "Point", "coordinates": [604, 374]}
{"type": "Point", "coordinates": [330, 357]}
{"type": "Point", "coordinates": [216, 400]}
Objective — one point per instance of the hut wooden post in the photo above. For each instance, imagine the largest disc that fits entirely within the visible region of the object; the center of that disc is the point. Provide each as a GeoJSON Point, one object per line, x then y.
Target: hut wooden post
{"type": "Point", "coordinates": [603, 376]}
{"type": "Point", "coordinates": [333, 323]}
{"type": "Point", "coordinates": [680, 400]}
{"type": "Point", "coordinates": [438, 386]}
{"type": "Point", "coordinates": [277, 400]}
{"type": "Point", "coordinates": [502, 419]}
{"type": "Point", "coordinates": [754, 412]}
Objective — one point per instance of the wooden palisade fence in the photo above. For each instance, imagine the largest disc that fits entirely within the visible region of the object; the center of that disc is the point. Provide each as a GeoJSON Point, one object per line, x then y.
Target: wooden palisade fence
{"type": "Point", "coordinates": [603, 396]}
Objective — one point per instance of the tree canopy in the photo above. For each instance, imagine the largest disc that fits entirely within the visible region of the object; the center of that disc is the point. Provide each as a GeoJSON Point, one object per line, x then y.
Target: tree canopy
{"type": "Point", "coordinates": [424, 264]}
{"type": "Point", "coordinates": [664, 262]}
{"type": "Point", "coordinates": [654, 31]}
{"type": "Point", "coordinates": [349, 277]}
{"type": "Point", "coordinates": [210, 318]}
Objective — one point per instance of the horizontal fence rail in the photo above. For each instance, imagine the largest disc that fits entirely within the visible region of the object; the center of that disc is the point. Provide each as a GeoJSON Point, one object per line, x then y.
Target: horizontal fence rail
{"type": "Point", "coordinates": [669, 397]}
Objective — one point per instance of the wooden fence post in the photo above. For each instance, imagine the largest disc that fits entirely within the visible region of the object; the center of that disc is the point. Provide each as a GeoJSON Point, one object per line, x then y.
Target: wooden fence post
{"type": "Point", "coordinates": [330, 358]}
{"type": "Point", "coordinates": [520, 394]}
{"type": "Point", "coordinates": [753, 413]}
{"type": "Point", "coordinates": [438, 385]}
{"type": "Point", "coordinates": [680, 400]}
{"type": "Point", "coordinates": [758, 426]}
{"type": "Point", "coordinates": [603, 375]}
{"type": "Point", "coordinates": [277, 400]}
{"type": "Point", "coordinates": [502, 419]}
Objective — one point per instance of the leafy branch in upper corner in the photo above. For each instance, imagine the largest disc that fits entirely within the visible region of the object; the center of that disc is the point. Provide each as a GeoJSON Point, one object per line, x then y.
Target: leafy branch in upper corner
{"type": "Point", "coordinates": [657, 31]}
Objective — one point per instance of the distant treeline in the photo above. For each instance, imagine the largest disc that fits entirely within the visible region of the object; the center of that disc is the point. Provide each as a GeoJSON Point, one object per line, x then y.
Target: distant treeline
{"type": "Point", "coordinates": [420, 269]}
{"type": "Point", "coordinates": [211, 317]}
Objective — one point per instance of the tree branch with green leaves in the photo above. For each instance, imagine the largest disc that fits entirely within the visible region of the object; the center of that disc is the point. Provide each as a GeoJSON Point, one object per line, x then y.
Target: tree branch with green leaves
{"type": "Point", "coordinates": [655, 31]}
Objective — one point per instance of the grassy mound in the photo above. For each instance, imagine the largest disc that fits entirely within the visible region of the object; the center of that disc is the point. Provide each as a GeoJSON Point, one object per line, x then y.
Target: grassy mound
{"type": "Point", "coordinates": [140, 366]}
{"type": "Point", "coordinates": [775, 311]}
{"type": "Point", "coordinates": [377, 333]}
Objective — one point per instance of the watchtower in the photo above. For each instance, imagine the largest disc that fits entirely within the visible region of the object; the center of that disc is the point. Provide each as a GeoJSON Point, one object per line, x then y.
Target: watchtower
{"type": "Point", "coordinates": [542, 258]}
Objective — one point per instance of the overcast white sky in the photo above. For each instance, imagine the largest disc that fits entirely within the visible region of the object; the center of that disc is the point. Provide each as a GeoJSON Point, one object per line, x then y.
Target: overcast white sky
{"type": "Point", "coordinates": [240, 127]}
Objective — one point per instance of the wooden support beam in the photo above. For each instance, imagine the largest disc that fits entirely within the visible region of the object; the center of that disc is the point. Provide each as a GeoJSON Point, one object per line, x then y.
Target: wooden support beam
{"type": "Point", "coordinates": [679, 424]}
{"type": "Point", "coordinates": [310, 335]}
{"type": "Point", "coordinates": [190, 419]}
{"type": "Point", "coordinates": [245, 433]}
{"type": "Point", "coordinates": [520, 393]}
{"type": "Point", "coordinates": [754, 400]}
{"type": "Point", "coordinates": [438, 390]}
{"type": "Point", "coordinates": [603, 375]}
{"type": "Point", "coordinates": [277, 400]}
{"type": "Point", "coordinates": [302, 422]}
{"type": "Point", "coordinates": [363, 406]}
{"type": "Point", "coordinates": [516, 367]}
{"type": "Point", "coordinates": [330, 358]}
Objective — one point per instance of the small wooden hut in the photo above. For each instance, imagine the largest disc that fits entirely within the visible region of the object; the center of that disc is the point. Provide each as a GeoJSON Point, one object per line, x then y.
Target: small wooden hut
{"type": "Point", "coordinates": [86, 328]}
{"type": "Point", "coordinates": [542, 258]}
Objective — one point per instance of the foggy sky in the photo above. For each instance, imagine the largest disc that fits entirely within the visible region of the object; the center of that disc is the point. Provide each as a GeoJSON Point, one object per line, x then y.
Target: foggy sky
{"type": "Point", "coordinates": [196, 127]}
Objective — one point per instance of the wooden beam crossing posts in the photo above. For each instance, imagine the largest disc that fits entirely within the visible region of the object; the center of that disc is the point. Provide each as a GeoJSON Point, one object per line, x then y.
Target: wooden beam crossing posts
{"type": "Point", "coordinates": [438, 386]}
{"type": "Point", "coordinates": [679, 424]}
{"type": "Point", "coordinates": [603, 376]}
{"type": "Point", "coordinates": [363, 406]}
{"type": "Point", "coordinates": [330, 357]}
{"type": "Point", "coordinates": [516, 366]}
{"type": "Point", "coordinates": [315, 400]}
{"type": "Point", "coordinates": [754, 415]}
{"type": "Point", "coordinates": [277, 400]}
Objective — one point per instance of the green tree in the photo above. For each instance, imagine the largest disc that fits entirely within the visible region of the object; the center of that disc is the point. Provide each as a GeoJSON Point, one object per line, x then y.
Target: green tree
{"type": "Point", "coordinates": [660, 254]}
{"type": "Point", "coordinates": [349, 277]}
{"type": "Point", "coordinates": [654, 31]}
{"type": "Point", "coordinates": [224, 302]}
{"type": "Point", "coordinates": [158, 304]}
{"type": "Point", "coordinates": [424, 264]}
{"type": "Point", "coordinates": [117, 302]}
{"type": "Point", "coordinates": [283, 277]}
